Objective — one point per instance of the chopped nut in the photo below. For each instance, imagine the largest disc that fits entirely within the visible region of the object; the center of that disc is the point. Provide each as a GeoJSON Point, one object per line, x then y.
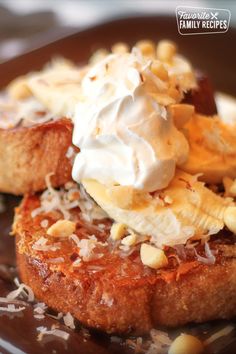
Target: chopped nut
{"type": "Point", "coordinates": [230, 218]}
{"type": "Point", "coordinates": [62, 228]}
{"type": "Point", "coordinates": [166, 50]}
{"type": "Point", "coordinates": [129, 240]}
{"type": "Point", "coordinates": [168, 199]}
{"type": "Point", "coordinates": [181, 113]}
{"type": "Point", "coordinates": [147, 47]}
{"type": "Point", "coordinates": [186, 344]}
{"type": "Point", "coordinates": [159, 70]}
{"type": "Point", "coordinates": [98, 56]}
{"type": "Point", "coordinates": [153, 257]}
{"type": "Point", "coordinates": [118, 231]}
{"type": "Point", "coordinates": [120, 48]}
{"type": "Point", "coordinates": [18, 88]}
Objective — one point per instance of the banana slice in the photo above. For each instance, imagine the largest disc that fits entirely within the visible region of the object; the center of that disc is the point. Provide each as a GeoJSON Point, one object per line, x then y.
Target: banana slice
{"type": "Point", "coordinates": [195, 210]}
{"type": "Point", "coordinates": [57, 87]}
{"type": "Point", "coordinates": [212, 148]}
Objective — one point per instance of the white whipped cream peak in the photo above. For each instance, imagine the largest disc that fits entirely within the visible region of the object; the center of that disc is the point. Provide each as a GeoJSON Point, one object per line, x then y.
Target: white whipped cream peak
{"type": "Point", "coordinates": [124, 135]}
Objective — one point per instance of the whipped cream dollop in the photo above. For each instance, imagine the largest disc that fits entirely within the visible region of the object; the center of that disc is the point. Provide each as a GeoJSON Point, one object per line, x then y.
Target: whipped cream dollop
{"type": "Point", "coordinates": [125, 136]}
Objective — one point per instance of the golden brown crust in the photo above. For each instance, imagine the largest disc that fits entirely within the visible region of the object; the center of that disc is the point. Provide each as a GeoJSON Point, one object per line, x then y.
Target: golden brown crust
{"type": "Point", "coordinates": [27, 155]}
{"type": "Point", "coordinates": [123, 296]}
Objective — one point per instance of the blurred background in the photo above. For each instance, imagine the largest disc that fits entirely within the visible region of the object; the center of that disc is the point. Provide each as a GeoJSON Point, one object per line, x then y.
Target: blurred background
{"type": "Point", "coordinates": [27, 24]}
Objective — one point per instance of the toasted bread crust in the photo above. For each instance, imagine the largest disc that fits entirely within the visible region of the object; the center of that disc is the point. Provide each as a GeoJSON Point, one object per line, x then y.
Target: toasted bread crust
{"type": "Point", "coordinates": [123, 296]}
{"type": "Point", "coordinates": [27, 155]}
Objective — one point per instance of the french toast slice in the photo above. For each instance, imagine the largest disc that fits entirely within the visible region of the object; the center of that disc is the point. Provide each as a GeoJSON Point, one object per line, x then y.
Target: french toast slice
{"type": "Point", "coordinates": [107, 287]}
{"type": "Point", "coordinates": [28, 154]}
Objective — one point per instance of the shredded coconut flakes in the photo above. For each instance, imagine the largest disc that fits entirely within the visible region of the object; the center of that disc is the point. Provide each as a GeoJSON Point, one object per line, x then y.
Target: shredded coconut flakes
{"type": "Point", "coordinates": [69, 320]}
{"type": "Point", "coordinates": [65, 199]}
{"type": "Point", "coordinates": [41, 245]}
{"type": "Point", "coordinates": [222, 332]}
{"type": "Point", "coordinates": [12, 308]}
{"type": "Point", "coordinates": [209, 259]}
{"type": "Point", "coordinates": [43, 331]}
{"type": "Point", "coordinates": [22, 290]}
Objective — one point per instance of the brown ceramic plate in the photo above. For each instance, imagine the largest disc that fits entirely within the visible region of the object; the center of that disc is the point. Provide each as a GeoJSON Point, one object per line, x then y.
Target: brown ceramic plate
{"type": "Point", "coordinates": [211, 53]}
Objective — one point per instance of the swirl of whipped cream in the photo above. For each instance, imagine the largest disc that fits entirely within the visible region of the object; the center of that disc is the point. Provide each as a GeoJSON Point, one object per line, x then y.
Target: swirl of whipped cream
{"type": "Point", "coordinates": [125, 137]}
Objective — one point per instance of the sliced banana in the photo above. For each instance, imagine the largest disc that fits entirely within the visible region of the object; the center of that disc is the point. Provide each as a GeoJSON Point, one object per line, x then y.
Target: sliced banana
{"type": "Point", "coordinates": [195, 210]}
{"type": "Point", "coordinates": [212, 148]}
{"type": "Point", "coordinates": [57, 87]}
{"type": "Point", "coordinates": [58, 90]}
